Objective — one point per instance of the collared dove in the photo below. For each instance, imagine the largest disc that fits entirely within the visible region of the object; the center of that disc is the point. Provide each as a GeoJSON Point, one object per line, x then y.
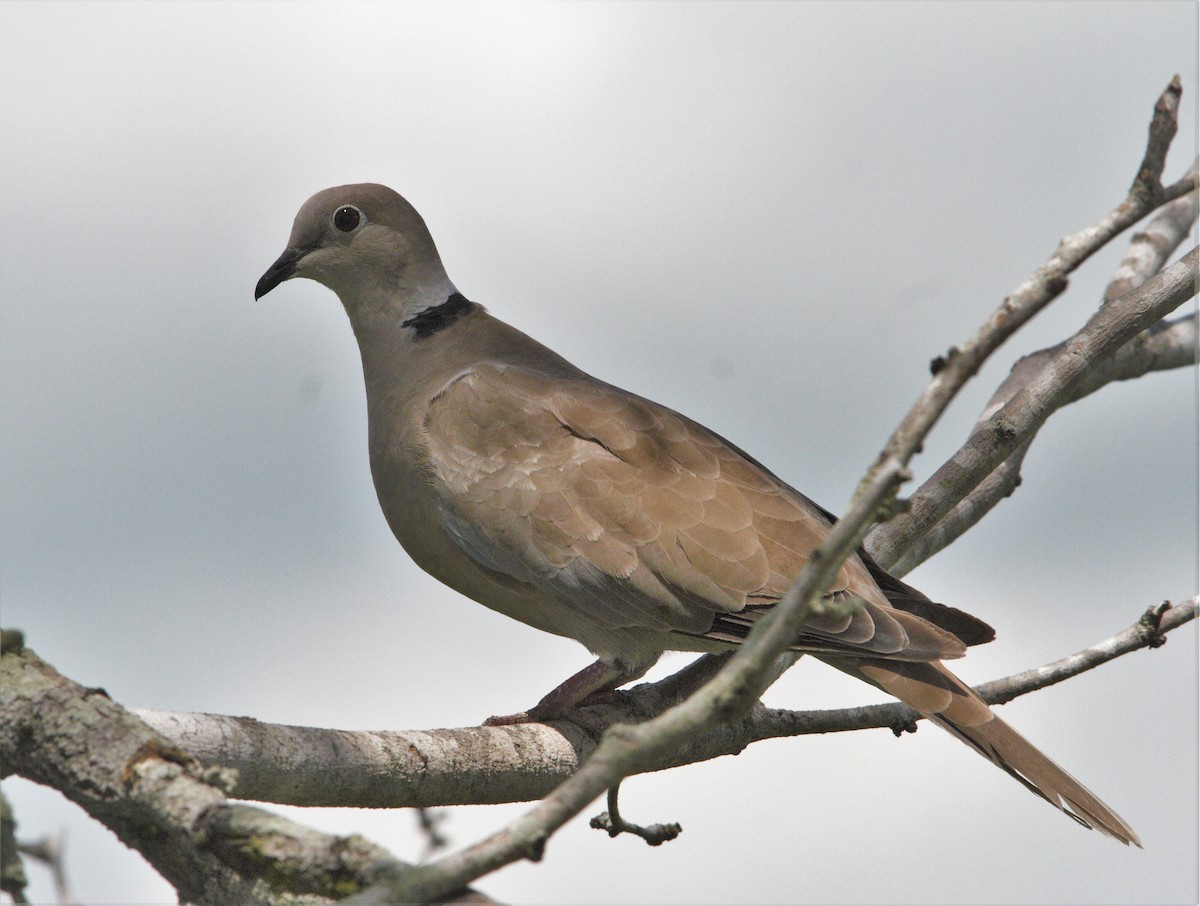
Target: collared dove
{"type": "Point", "coordinates": [586, 511]}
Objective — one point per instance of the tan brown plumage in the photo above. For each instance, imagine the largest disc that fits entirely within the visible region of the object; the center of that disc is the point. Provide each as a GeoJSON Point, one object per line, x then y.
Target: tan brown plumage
{"type": "Point", "coordinates": [586, 511]}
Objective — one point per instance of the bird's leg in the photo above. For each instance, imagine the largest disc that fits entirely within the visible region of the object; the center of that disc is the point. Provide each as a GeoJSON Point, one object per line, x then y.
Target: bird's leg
{"type": "Point", "coordinates": [563, 701]}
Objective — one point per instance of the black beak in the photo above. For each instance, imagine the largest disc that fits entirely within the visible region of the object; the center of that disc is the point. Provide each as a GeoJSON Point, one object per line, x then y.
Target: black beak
{"type": "Point", "coordinates": [283, 268]}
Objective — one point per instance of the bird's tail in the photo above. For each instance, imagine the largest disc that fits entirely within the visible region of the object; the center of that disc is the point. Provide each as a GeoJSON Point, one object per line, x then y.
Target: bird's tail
{"type": "Point", "coordinates": [931, 689]}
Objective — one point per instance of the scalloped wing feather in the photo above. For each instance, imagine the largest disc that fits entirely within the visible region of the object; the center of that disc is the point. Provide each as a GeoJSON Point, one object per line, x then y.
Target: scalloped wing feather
{"type": "Point", "coordinates": [608, 501]}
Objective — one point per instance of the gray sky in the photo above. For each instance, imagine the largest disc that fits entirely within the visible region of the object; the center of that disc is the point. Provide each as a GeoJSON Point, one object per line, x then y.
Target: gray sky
{"type": "Point", "coordinates": [767, 216]}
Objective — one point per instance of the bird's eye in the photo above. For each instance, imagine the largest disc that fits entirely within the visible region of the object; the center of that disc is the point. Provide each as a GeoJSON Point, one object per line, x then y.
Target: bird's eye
{"type": "Point", "coordinates": [348, 218]}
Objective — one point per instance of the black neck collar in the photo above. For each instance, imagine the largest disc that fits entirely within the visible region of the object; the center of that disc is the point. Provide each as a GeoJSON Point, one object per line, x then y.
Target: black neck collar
{"type": "Point", "coordinates": [429, 321]}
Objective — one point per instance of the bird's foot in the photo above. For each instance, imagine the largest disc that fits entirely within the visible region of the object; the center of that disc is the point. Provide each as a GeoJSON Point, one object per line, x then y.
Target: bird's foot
{"type": "Point", "coordinates": [521, 717]}
{"type": "Point", "coordinates": [593, 726]}
{"type": "Point", "coordinates": [554, 706]}
{"type": "Point", "coordinates": [589, 686]}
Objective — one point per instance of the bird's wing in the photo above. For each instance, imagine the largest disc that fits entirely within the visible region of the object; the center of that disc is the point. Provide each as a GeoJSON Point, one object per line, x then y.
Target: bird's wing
{"type": "Point", "coordinates": [610, 502]}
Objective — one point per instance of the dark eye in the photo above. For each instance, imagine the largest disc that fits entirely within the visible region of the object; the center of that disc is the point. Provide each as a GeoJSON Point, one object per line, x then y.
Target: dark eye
{"type": "Point", "coordinates": [348, 218]}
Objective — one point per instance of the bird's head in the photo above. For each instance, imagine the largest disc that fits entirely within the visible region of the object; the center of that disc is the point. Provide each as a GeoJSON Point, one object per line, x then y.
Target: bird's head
{"type": "Point", "coordinates": [366, 243]}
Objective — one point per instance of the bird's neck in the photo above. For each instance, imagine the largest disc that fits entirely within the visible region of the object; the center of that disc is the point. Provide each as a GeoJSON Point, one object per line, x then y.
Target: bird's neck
{"type": "Point", "coordinates": [383, 315]}
{"type": "Point", "coordinates": [411, 348]}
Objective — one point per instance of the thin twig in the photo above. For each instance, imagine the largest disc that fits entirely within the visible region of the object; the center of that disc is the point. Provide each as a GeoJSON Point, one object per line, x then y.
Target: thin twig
{"type": "Point", "coordinates": [1163, 126]}
{"type": "Point", "coordinates": [773, 723]}
{"type": "Point", "coordinates": [1148, 632]}
{"type": "Point", "coordinates": [612, 823]}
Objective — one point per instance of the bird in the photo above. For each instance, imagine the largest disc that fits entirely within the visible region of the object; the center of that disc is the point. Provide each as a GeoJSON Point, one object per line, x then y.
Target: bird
{"type": "Point", "coordinates": [589, 512]}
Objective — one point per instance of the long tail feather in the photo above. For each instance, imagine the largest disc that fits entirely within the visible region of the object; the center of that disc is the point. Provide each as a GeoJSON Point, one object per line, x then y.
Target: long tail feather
{"type": "Point", "coordinates": [946, 700]}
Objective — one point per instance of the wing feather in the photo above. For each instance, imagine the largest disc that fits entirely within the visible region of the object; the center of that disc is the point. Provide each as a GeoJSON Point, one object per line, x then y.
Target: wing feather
{"type": "Point", "coordinates": [613, 503]}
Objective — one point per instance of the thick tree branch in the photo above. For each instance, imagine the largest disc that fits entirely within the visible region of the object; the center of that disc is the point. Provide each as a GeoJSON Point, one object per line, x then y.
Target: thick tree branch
{"type": "Point", "coordinates": [385, 769]}
{"type": "Point", "coordinates": [160, 801]}
{"type": "Point", "coordinates": [398, 781]}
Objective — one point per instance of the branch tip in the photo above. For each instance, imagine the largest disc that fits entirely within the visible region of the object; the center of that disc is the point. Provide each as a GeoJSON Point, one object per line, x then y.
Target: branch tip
{"type": "Point", "coordinates": [1163, 126]}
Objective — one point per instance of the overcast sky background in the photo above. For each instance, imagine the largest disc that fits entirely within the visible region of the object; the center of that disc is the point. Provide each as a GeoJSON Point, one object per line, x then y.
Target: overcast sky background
{"type": "Point", "coordinates": [770, 217]}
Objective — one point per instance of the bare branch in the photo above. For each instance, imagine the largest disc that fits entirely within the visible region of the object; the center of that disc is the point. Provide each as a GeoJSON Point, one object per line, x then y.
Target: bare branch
{"type": "Point", "coordinates": [889, 542]}
{"type": "Point", "coordinates": [1163, 126]}
{"type": "Point", "coordinates": [161, 802]}
{"type": "Point", "coordinates": [1053, 385]}
{"type": "Point", "coordinates": [1147, 632]}
{"type": "Point", "coordinates": [524, 753]}
{"type": "Point", "coordinates": [385, 769]}
{"type": "Point", "coordinates": [1150, 248]}
{"type": "Point", "coordinates": [983, 498]}
{"type": "Point", "coordinates": [1164, 346]}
